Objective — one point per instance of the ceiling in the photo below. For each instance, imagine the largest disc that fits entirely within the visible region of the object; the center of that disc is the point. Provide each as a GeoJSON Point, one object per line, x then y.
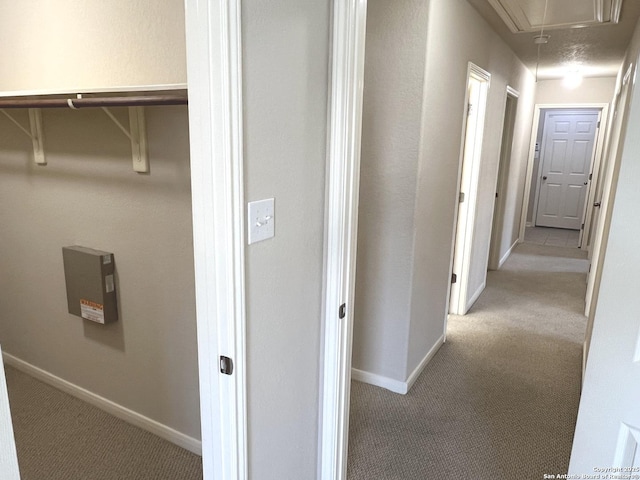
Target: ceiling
{"type": "Point", "coordinates": [584, 34]}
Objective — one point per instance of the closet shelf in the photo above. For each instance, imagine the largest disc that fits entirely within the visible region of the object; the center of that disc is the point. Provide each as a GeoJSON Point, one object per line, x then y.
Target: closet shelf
{"type": "Point", "coordinates": [136, 132]}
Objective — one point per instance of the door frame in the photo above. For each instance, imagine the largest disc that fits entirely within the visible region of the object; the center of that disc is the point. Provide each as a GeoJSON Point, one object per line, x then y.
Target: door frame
{"type": "Point", "coordinates": [214, 68]}
{"type": "Point", "coordinates": [463, 237]}
{"type": "Point", "coordinates": [341, 221]}
{"type": "Point", "coordinates": [600, 236]}
{"type": "Point", "coordinates": [506, 150]}
{"type": "Point", "coordinates": [592, 163]}
{"type": "Point", "coordinates": [595, 167]}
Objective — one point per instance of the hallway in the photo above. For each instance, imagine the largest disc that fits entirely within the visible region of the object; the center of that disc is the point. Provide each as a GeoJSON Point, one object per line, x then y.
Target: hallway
{"type": "Point", "coordinates": [500, 398]}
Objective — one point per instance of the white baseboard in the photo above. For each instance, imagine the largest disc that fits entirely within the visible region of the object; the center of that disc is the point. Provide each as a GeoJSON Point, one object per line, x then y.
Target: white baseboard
{"type": "Point", "coordinates": [529, 224]}
{"type": "Point", "coordinates": [108, 406]}
{"type": "Point", "coordinates": [475, 295]}
{"type": "Point", "coordinates": [427, 358]}
{"type": "Point", "coordinates": [396, 386]}
{"type": "Point", "coordinates": [508, 254]}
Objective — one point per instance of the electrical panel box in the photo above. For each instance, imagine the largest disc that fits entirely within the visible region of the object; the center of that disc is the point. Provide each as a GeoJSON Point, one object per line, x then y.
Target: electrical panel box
{"type": "Point", "coordinates": [91, 288]}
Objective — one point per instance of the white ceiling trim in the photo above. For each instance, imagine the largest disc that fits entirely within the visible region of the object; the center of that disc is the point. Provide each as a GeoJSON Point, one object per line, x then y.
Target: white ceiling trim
{"type": "Point", "coordinates": [514, 16]}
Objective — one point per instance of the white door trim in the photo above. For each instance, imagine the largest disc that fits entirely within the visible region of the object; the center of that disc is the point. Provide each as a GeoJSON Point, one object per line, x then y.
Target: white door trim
{"type": "Point", "coordinates": [341, 220]}
{"type": "Point", "coordinates": [541, 159]}
{"type": "Point", "coordinates": [215, 124]}
{"type": "Point", "coordinates": [493, 262]}
{"type": "Point", "coordinates": [595, 168]}
{"type": "Point", "coordinates": [462, 242]}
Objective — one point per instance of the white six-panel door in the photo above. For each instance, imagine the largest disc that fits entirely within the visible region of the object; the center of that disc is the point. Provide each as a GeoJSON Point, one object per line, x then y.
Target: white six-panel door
{"type": "Point", "coordinates": [568, 148]}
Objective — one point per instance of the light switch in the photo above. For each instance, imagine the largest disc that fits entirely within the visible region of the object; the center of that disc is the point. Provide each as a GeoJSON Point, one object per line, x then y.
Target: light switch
{"type": "Point", "coordinates": [262, 220]}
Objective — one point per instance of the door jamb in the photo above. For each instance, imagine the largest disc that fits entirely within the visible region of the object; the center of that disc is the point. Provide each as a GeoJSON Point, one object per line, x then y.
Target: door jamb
{"type": "Point", "coordinates": [592, 162]}
{"type": "Point", "coordinates": [595, 167]}
{"type": "Point", "coordinates": [459, 291]}
{"type": "Point", "coordinates": [493, 262]}
{"type": "Point", "coordinates": [214, 67]}
{"type": "Point", "coordinates": [341, 220]}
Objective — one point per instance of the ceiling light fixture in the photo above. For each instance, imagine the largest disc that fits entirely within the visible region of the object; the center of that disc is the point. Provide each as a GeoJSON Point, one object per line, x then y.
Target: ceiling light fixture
{"type": "Point", "coordinates": [572, 80]}
{"type": "Point", "coordinates": [541, 39]}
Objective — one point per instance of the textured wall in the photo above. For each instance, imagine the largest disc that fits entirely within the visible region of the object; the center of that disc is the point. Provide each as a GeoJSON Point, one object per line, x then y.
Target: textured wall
{"type": "Point", "coordinates": [416, 67]}
{"type": "Point", "coordinates": [286, 58]}
{"type": "Point", "coordinates": [72, 45]}
{"type": "Point", "coordinates": [89, 195]}
{"type": "Point", "coordinates": [592, 90]}
{"type": "Point", "coordinates": [457, 35]}
{"type": "Point", "coordinates": [391, 130]}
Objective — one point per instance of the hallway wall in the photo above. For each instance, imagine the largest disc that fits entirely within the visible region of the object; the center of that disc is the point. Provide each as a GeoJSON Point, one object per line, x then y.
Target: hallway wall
{"type": "Point", "coordinates": [391, 136]}
{"type": "Point", "coordinates": [285, 68]}
{"type": "Point", "coordinates": [592, 90]}
{"type": "Point", "coordinates": [412, 132]}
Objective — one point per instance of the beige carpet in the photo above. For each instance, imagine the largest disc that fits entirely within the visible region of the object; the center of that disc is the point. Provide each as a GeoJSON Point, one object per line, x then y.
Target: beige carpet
{"type": "Point", "coordinates": [500, 398]}
{"type": "Point", "coordinates": [59, 437]}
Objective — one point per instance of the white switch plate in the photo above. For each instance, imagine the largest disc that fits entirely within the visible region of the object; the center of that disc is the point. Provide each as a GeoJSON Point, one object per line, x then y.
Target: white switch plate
{"type": "Point", "coordinates": [262, 220]}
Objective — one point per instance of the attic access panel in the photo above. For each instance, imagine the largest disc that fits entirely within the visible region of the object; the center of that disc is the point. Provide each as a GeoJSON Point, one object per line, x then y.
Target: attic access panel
{"type": "Point", "coordinates": [528, 15]}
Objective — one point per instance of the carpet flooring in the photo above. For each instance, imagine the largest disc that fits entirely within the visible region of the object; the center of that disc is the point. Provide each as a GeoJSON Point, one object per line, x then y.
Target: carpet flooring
{"type": "Point", "coordinates": [500, 398]}
{"type": "Point", "coordinates": [59, 437]}
{"type": "Point", "coordinates": [555, 237]}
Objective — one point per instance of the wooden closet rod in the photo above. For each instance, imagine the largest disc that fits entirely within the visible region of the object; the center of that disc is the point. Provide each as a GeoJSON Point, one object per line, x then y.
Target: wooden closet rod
{"type": "Point", "coordinates": [93, 102]}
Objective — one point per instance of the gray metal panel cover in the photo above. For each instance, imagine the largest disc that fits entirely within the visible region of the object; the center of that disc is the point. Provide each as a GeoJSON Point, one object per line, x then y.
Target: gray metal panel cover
{"type": "Point", "coordinates": [89, 276]}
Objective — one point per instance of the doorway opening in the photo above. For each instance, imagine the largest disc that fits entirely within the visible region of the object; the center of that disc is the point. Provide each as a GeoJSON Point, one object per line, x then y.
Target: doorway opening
{"type": "Point", "coordinates": [564, 165]}
{"type": "Point", "coordinates": [504, 167]}
{"type": "Point", "coordinates": [470, 159]}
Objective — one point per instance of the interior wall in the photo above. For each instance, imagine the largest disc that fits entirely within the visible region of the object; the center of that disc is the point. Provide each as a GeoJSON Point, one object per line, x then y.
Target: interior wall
{"type": "Point", "coordinates": [592, 90]}
{"type": "Point", "coordinates": [615, 324]}
{"type": "Point", "coordinates": [285, 68]}
{"type": "Point", "coordinates": [75, 45]}
{"type": "Point", "coordinates": [457, 35]}
{"type": "Point", "coordinates": [89, 195]}
{"type": "Point", "coordinates": [391, 130]}
{"type": "Point", "coordinates": [406, 222]}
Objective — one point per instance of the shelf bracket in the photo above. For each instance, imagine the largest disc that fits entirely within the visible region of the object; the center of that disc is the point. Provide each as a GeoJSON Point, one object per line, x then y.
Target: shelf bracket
{"type": "Point", "coordinates": [35, 133]}
{"type": "Point", "coordinates": [137, 134]}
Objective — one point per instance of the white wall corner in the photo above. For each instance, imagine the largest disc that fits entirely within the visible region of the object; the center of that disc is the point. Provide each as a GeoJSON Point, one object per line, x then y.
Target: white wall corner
{"type": "Point", "coordinates": [506, 256]}
{"type": "Point", "coordinates": [476, 294]}
{"type": "Point", "coordinates": [424, 362]}
{"type": "Point", "coordinates": [391, 384]}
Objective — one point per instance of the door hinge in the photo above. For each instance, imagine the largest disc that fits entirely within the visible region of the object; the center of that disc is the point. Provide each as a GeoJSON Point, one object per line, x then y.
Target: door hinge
{"type": "Point", "coordinates": [496, 194]}
{"type": "Point", "coordinates": [582, 227]}
{"type": "Point", "coordinates": [342, 311]}
{"type": "Point", "coordinates": [590, 176]}
{"type": "Point", "coordinates": [226, 365]}
{"type": "Point", "coordinates": [461, 197]}
{"type": "Point", "coordinates": [454, 278]}
{"type": "Point", "coordinates": [469, 109]}
{"type": "Point", "coordinates": [598, 124]}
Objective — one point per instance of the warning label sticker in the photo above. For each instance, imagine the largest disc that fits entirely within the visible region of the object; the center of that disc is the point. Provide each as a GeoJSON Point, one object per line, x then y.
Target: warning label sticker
{"type": "Point", "coordinates": [92, 311]}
